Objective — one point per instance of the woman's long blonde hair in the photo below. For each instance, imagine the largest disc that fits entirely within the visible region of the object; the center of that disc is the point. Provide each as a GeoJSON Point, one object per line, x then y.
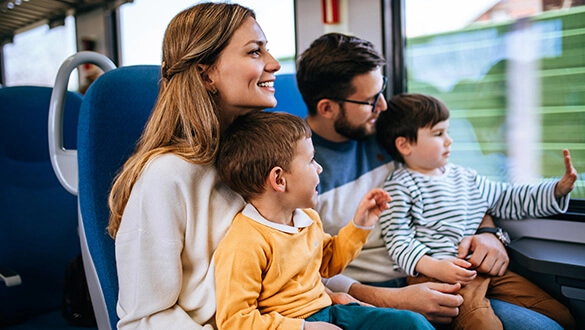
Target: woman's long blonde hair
{"type": "Point", "coordinates": [185, 118]}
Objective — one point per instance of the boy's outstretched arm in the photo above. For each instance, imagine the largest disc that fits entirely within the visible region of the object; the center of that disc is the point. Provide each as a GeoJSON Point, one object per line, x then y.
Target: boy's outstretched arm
{"type": "Point", "coordinates": [370, 207]}
{"type": "Point", "coordinates": [567, 182]}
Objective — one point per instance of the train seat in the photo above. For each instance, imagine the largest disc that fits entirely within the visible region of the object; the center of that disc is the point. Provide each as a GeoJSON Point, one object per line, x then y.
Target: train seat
{"type": "Point", "coordinates": [287, 95]}
{"type": "Point", "coordinates": [38, 225]}
{"type": "Point", "coordinates": [112, 117]}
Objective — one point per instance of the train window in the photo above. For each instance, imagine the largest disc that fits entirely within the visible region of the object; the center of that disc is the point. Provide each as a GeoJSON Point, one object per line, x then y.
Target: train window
{"type": "Point", "coordinates": [34, 56]}
{"type": "Point", "coordinates": [141, 44]}
{"type": "Point", "coordinates": [513, 75]}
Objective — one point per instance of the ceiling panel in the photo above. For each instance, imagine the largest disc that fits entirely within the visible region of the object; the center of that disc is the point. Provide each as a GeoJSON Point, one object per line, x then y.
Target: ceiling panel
{"type": "Point", "coordinates": [18, 15]}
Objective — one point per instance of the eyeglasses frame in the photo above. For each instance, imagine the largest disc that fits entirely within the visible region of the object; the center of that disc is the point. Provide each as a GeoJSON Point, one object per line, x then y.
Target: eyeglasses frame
{"type": "Point", "coordinates": [373, 104]}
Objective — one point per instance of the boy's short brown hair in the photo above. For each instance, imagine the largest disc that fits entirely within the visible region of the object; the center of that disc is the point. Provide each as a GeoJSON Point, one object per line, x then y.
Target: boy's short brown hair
{"type": "Point", "coordinates": [407, 113]}
{"type": "Point", "coordinates": [254, 144]}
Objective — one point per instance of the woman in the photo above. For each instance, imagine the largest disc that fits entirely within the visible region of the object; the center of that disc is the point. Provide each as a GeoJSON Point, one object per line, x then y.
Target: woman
{"type": "Point", "coordinates": [169, 209]}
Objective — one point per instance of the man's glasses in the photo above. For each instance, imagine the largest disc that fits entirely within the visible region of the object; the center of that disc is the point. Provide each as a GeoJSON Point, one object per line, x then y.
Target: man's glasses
{"type": "Point", "coordinates": [373, 104]}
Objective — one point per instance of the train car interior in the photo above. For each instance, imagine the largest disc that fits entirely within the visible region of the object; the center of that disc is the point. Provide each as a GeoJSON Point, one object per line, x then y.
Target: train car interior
{"type": "Point", "coordinates": [60, 149]}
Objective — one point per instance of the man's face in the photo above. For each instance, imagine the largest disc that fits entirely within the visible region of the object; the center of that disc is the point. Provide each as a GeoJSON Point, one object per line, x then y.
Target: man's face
{"type": "Point", "coordinates": [357, 121]}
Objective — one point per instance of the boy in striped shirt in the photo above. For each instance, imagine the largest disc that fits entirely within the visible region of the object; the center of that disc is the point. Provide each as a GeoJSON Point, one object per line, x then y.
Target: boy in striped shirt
{"type": "Point", "coordinates": [435, 204]}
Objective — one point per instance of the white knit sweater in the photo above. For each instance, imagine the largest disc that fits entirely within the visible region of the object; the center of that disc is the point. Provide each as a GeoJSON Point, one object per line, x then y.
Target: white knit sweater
{"type": "Point", "coordinates": [176, 215]}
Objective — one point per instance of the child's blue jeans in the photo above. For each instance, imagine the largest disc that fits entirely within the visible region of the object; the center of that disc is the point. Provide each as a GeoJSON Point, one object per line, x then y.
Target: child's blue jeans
{"type": "Point", "coordinates": [355, 316]}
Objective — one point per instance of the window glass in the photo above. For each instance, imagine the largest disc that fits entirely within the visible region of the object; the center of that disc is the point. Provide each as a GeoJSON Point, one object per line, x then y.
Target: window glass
{"type": "Point", "coordinates": [141, 43]}
{"type": "Point", "coordinates": [513, 75]}
{"type": "Point", "coordinates": [35, 55]}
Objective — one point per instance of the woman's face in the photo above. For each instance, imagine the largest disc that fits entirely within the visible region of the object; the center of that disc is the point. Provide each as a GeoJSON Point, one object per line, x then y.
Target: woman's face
{"type": "Point", "coordinates": [244, 73]}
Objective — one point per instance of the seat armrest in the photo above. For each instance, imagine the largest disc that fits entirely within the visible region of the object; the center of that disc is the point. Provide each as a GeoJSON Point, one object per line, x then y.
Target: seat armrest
{"type": "Point", "coordinates": [557, 258]}
{"type": "Point", "coordinates": [9, 277]}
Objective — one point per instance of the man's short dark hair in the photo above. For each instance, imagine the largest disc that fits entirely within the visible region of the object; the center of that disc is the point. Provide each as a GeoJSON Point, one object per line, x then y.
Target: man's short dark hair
{"type": "Point", "coordinates": [326, 69]}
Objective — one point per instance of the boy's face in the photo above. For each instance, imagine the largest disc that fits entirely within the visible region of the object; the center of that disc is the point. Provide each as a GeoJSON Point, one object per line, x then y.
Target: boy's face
{"type": "Point", "coordinates": [303, 177]}
{"type": "Point", "coordinates": [432, 149]}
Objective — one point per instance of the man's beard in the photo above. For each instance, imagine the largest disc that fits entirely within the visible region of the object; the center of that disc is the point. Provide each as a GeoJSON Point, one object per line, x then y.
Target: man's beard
{"type": "Point", "coordinates": [345, 128]}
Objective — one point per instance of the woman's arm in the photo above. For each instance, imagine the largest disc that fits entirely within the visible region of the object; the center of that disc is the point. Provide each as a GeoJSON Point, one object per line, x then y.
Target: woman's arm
{"type": "Point", "coordinates": [156, 268]}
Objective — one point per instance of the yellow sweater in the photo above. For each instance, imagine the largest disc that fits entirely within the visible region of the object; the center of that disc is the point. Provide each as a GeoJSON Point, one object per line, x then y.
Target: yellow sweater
{"type": "Point", "coordinates": [270, 279]}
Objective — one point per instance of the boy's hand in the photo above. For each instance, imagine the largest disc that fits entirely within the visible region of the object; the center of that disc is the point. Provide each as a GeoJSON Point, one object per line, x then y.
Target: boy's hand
{"type": "Point", "coordinates": [567, 182]}
{"type": "Point", "coordinates": [370, 207]}
{"type": "Point", "coordinates": [455, 271]}
{"type": "Point", "coordinates": [449, 270]}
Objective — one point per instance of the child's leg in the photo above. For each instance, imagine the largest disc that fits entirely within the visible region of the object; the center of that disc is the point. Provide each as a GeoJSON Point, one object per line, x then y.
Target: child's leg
{"type": "Point", "coordinates": [517, 290]}
{"type": "Point", "coordinates": [476, 311]}
{"type": "Point", "coordinates": [355, 316]}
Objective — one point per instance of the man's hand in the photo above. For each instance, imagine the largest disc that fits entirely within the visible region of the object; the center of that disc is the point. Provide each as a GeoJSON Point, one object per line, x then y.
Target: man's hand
{"type": "Point", "coordinates": [488, 254]}
{"type": "Point", "coordinates": [437, 302]}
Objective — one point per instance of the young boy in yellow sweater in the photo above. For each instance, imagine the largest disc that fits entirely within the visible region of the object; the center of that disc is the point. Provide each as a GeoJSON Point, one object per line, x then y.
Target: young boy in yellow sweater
{"type": "Point", "coordinates": [268, 268]}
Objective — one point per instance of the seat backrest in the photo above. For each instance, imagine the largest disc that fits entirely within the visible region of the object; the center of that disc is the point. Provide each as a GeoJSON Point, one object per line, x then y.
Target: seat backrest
{"type": "Point", "coordinates": [113, 114]}
{"type": "Point", "coordinates": [38, 221]}
{"type": "Point", "coordinates": [288, 97]}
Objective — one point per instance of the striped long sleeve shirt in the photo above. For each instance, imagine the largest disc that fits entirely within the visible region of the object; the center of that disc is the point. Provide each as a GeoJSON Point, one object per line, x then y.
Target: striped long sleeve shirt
{"type": "Point", "coordinates": [430, 215]}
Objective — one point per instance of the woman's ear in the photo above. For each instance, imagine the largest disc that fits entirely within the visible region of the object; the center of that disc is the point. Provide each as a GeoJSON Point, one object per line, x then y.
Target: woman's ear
{"type": "Point", "coordinates": [203, 71]}
{"type": "Point", "coordinates": [202, 68]}
{"type": "Point", "coordinates": [402, 145]}
{"type": "Point", "coordinates": [276, 179]}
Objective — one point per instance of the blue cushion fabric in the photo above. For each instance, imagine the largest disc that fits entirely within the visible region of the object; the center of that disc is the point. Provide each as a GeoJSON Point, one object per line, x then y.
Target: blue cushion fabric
{"type": "Point", "coordinates": [112, 117]}
{"type": "Point", "coordinates": [38, 221]}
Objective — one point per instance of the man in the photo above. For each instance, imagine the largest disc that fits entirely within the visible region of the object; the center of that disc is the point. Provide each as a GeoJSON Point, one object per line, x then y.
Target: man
{"type": "Point", "coordinates": [340, 79]}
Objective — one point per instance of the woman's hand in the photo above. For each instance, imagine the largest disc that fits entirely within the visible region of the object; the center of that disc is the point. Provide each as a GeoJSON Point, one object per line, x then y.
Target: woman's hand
{"type": "Point", "coordinates": [320, 326]}
{"type": "Point", "coordinates": [342, 298]}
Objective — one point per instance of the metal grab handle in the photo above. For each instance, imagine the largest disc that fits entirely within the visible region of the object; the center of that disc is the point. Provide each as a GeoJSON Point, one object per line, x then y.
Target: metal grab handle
{"type": "Point", "coordinates": [65, 161]}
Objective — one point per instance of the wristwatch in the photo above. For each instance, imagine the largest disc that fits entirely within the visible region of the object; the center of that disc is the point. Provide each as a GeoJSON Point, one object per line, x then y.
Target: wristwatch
{"type": "Point", "coordinates": [499, 232]}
